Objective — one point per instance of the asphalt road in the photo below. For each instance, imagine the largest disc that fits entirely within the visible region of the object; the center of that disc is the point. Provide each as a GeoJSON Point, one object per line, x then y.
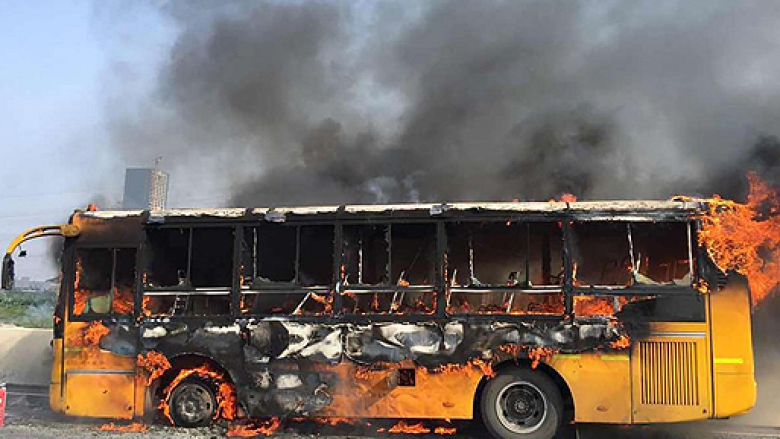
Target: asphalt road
{"type": "Point", "coordinates": [28, 417]}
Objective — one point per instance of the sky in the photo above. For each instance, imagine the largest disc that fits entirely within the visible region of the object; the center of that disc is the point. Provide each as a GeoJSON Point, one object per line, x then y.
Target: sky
{"type": "Point", "coordinates": [58, 60]}
{"type": "Point", "coordinates": [268, 102]}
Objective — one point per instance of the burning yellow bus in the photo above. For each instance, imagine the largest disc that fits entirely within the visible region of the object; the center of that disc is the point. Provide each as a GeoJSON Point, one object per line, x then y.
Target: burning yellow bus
{"type": "Point", "coordinates": [526, 315]}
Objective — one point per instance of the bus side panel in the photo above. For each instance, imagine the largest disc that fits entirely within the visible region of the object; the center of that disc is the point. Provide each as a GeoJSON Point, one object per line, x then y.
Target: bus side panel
{"type": "Point", "coordinates": [600, 384]}
{"type": "Point", "coordinates": [382, 394]}
{"type": "Point", "coordinates": [671, 373]}
{"type": "Point", "coordinates": [97, 382]}
{"type": "Point", "coordinates": [732, 349]}
{"type": "Point", "coordinates": [99, 395]}
{"type": "Point", "coordinates": [55, 387]}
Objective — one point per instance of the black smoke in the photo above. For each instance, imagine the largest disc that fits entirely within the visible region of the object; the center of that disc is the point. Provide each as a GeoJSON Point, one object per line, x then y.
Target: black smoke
{"type": "Point", "coordinates": [338, 102]}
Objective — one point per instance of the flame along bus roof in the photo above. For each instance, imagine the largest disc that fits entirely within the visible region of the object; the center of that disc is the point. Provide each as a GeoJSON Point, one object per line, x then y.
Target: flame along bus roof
{"type": "Point", "coordinates": [637, 210]}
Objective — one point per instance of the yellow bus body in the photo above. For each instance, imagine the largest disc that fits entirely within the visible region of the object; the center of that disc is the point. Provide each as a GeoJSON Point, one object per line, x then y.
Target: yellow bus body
{"type": "Point", "coordinates": [672, 373]}
{"type": "Point", "coordinates": [679, 372]}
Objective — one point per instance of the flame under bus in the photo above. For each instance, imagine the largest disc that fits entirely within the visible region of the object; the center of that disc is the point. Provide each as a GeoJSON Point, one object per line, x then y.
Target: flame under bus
{"type": "Point", "coordinates": [404, 311]}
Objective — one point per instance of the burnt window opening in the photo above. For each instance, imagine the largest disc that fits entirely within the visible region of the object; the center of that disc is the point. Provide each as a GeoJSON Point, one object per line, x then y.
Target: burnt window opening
{"type": "Point", "coordinates": [287, 269]}
{"type": "Point", "coordinates": [600, 254]}
{"type": "Point", "coordinates": [366, 256]}
{"type": "Point", "coordinates": [190, 258]}
{"type": "Point", "coordinates": [662, 253]}
{"type": "Point", "coordinates": [169, 253]}
{"type": "Point", "coordinates": [211, 257]}
{"type": "Point", "coordinates": [505, 268]}
{"type": "Point", "coordinates": [315, 256]}
{"type": "Point", "coordinates": [603, 305]}
{"type": "Point", "coordinates": [269, 254]}
{"type": "Point", "coordinates": [105, 282]}
{"type": "Point", "coordinates": [596, 305]}
{"type": "Point", "coordinates": [545, 256]}
{"type": "Point", "coordinates": [389, 269]}
{"type": "Point", "coordinates": [158, 304]}
{"type": "Point", "coordinates": [631, 254]}
{"type": "Point", "coordinates": [413, 254]}
{"type": "Point", "coordinates": [190, 271]}
{"type": "Point", "coordinates": [488, 254]}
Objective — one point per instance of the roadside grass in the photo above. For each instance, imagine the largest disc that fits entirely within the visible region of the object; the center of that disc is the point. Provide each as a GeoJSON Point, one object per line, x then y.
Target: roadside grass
{"type": "Point", "coordinates": [29, 309]}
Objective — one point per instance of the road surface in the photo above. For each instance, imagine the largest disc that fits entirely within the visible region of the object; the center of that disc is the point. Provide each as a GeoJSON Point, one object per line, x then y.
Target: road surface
{"type": "Point", "coordinates": [28, 417]}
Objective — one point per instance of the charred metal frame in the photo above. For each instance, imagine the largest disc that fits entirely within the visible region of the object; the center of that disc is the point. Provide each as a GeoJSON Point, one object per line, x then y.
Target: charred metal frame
{"type": "Point", "coordinates": [340, 219]}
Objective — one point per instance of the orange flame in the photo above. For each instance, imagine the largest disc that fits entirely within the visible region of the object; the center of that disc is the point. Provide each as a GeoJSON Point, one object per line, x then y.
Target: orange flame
{"type": "Point", "coordinates": [334, 421]}
{"type": "Point", "coordinates": [445, 430]}
{"type": "Point", "coordinates": [538, 354]}
{"type": "Point", "coordinates": [746, 237]}
{"type": "Point", "coordinates": [152, 366]}
{"type": "Point", "coordinates": [485, 367]}
{"type": "Point", "coordinates": [134, 427]}
{"type": "Point", "coordinates": [79, 296]}
{"type": "Point", "coordinates": [565, 197]}
{"type": "Point", "coordinates": [91, 335]}
{"type": "Point", "coordinates": [256, 428]}
{"type": "Point", "coordinates": [589, 306]}
{"type": "Point", "coordinates": [123, 302]}
{"type": "Point", "coordinates": [403, 427]}
{"type": "Point", "coordinates": [623, 342]}
{"type": "Point", "coordinates": [145, 310]}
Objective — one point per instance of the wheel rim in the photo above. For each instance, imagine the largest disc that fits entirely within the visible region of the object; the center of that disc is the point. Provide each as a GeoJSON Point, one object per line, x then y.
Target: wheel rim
{"type": "Point", "coordinates": [521, 407]}
{"type": "Point", "coordinates": [193, 403]}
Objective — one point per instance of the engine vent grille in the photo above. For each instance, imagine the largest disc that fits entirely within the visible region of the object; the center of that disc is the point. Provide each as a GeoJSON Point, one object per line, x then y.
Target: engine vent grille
{"type": "Point", "coordinates": [668, 373]}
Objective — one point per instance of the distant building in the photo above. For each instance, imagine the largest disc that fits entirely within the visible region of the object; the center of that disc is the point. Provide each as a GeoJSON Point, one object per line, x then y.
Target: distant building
{"type": "Point", "coordinates": [145, 188]}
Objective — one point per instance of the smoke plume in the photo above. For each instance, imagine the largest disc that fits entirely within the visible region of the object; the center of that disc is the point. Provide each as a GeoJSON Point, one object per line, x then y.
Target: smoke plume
{"type": "Point", "coordinates": [270, 102]}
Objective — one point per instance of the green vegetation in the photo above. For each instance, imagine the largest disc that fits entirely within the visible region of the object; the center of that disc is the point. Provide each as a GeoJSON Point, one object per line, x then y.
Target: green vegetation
{"type": "Point", "coordinates": [31, 309]}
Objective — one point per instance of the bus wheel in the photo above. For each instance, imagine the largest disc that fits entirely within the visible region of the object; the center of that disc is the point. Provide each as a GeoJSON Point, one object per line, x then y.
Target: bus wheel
{"type": "Point", "coordinates": [192, 403]}
{"type": "Point", "coordinates": [522, 403]}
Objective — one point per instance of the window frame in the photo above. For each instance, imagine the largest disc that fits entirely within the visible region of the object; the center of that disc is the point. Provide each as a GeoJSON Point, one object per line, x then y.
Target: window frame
{"type": "Point", "coordinates": [392, 287]}
{"type": "Point", "coordinates": [281, 288]}
{"type": "Point", "coordinates": [70, 259]}
{"type": "Point", "coordinates": [633, 290]}
{"type": "Point", "coordinates": [527, 288]}
{"type": "Point", "coordinates": [186, 290]}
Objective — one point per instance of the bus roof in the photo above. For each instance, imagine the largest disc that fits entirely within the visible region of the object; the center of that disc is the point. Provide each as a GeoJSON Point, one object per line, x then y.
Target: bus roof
{"type": "Point", "coordinates": [596, 210]}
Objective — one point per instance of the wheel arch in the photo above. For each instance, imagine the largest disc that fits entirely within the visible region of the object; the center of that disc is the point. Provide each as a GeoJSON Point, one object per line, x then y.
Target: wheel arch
{"type": "Point", "coordinates": [190, 360]}
{"type": "Point", "coordinates": [524, 363]}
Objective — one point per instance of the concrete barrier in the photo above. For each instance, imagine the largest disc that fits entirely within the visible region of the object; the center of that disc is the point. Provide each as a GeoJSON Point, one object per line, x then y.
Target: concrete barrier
{"type": "Point", "coordinates": [25, 356]}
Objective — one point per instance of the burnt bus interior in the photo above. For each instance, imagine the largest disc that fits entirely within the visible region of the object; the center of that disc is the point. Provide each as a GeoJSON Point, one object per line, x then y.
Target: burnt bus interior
{"type": "Point", "coordinates": [537, 268]}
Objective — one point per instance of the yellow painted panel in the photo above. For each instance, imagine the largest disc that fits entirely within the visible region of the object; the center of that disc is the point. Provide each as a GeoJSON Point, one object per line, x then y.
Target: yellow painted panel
{"type": "Point", "coordinates": [100, 395]}
{"type": "Point", "coordinates": [732, 347]}
{"type": "Point", "coordinates": [600, 385]}
{"type": "Point", "coordinates": [55, 388]}
{"type": "Point", "coordinates": [142, 397]}
{"type": "Point", "coordinates": [97, 382]}
{"type": "Point", "coordinates": [447, 395]}
{"type": "Point", "coordinates": [743, 386]}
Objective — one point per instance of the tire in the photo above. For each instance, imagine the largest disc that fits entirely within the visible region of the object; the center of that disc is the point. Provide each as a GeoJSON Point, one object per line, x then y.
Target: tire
{"type": "Point", "coordinates": [193, 403]}
{"type": "Point", "coordinates": [522, 404]}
